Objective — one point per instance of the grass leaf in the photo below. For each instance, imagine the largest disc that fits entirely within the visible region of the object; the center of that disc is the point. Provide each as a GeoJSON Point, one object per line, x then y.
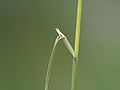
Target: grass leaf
{"type": "Point", "coordinates": [50, 64]}
{"type": "Point", "coordinates": [67, 44]}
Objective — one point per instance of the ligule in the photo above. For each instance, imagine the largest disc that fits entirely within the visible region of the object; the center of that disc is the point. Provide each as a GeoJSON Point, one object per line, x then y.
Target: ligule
{"type": "Point", "coordinates": [66, 42]}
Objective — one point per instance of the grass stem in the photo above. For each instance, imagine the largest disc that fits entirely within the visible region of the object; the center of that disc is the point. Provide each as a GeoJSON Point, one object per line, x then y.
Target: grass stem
{"type": "Point", "coordinates": [77, 40]}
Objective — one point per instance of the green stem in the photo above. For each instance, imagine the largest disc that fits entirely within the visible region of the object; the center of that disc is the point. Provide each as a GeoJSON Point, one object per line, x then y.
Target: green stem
{"type": "Point", "coordinates": [77, 39]}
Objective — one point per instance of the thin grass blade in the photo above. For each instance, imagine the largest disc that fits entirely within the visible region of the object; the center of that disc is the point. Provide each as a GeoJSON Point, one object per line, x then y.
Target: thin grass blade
{"type": "Point", "coordinates": [50, 64]}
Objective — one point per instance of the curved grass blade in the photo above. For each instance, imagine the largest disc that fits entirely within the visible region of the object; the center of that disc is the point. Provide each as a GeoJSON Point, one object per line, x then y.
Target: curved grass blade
{"type": "Point", "coordinates": [51, 62]}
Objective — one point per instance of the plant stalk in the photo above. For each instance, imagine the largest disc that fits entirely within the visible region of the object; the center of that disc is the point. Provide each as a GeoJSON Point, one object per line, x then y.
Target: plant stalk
{"type": "Point", "coordinates": [77, 40]}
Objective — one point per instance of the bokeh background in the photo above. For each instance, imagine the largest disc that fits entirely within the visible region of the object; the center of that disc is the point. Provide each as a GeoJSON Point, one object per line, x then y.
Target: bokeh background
{"type": "Point", "coordinates": [27, 35]}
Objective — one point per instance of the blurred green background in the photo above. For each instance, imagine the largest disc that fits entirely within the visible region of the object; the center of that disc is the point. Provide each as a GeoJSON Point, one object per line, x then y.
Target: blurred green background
{"type": "Point", "coordinates": [27, 35]}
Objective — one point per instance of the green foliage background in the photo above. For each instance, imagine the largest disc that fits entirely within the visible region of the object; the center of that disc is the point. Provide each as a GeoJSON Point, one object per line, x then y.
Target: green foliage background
{"type": "Point", "coordinates": [27, 35]}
